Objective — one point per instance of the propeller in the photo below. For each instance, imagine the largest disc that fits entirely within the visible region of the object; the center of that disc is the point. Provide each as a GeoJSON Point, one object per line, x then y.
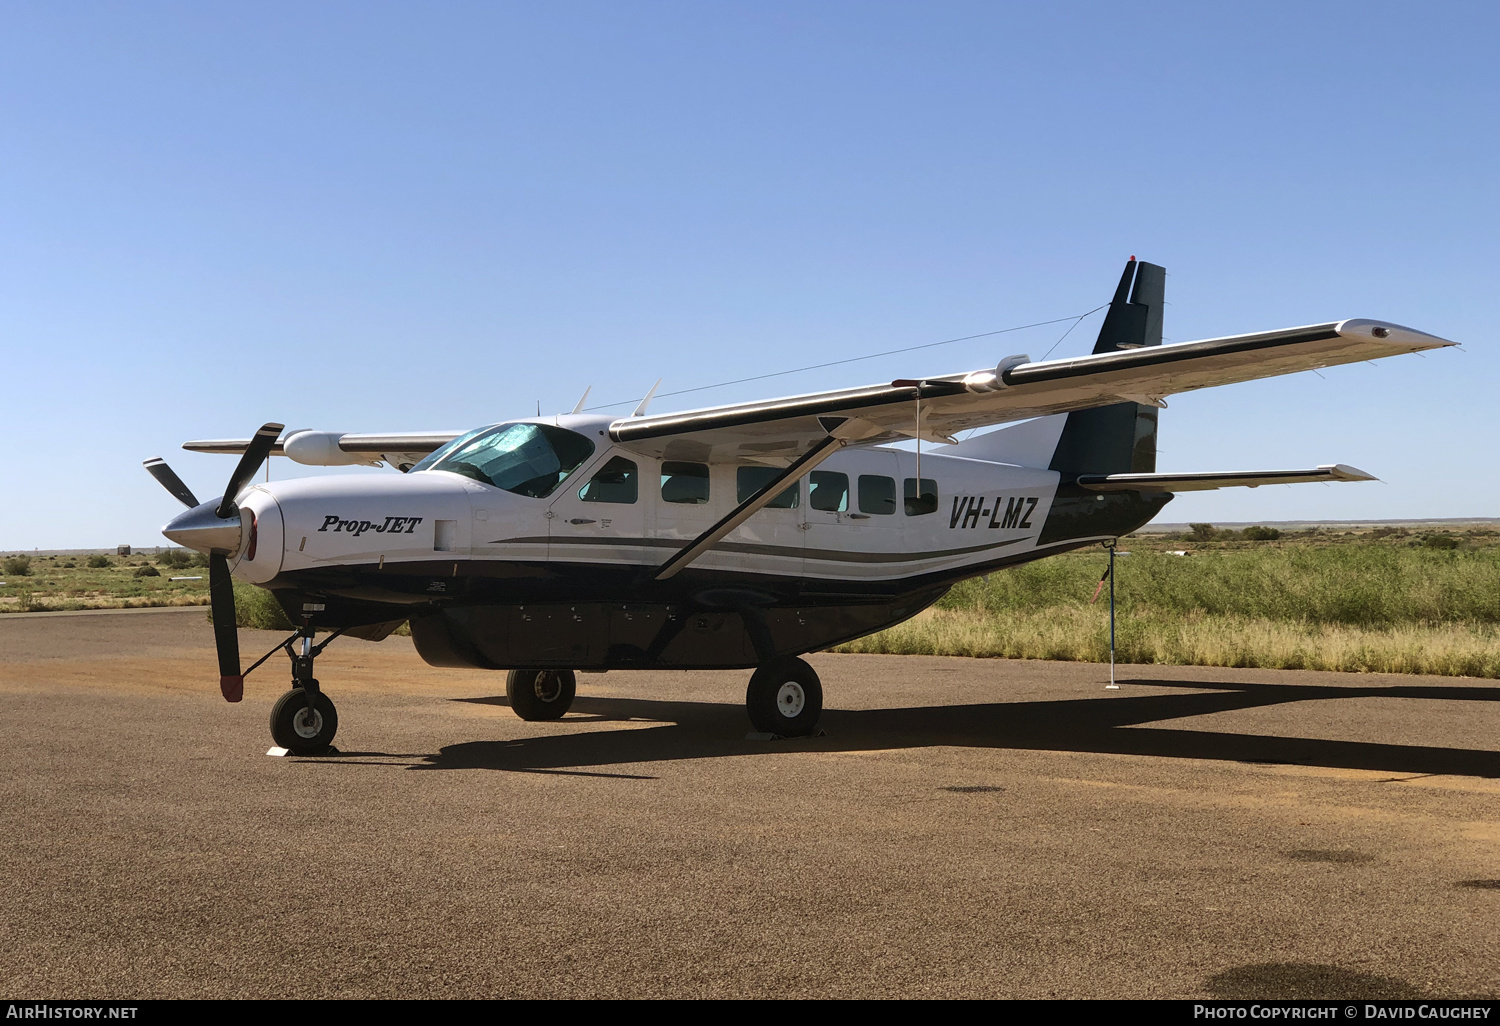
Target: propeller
{"type": "Point", "coordinates": [168, 479]}
{"type": "Point", "coordinates": [216, 529]}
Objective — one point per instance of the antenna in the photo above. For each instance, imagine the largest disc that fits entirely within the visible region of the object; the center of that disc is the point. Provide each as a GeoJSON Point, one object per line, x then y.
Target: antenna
{"type": "Point", "coordinates": [584, 399]}
{"type": "Point", "coordinates": [640, 411]}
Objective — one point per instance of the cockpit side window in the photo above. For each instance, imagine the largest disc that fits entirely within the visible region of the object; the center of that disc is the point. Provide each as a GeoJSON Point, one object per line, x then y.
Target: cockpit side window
{"type": "Point", "coordinates": [617, 481]}
{"type": "Point", "coordinates": [525, 459]}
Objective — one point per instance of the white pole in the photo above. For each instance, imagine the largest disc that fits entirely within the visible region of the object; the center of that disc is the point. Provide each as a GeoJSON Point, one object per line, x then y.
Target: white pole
{"type": "Point", "coordinates": [1112, 686]}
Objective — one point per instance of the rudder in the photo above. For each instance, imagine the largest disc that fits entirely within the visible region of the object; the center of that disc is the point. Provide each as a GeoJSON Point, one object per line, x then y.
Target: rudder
{"type": "Point", "coordinates": [1120, 438]}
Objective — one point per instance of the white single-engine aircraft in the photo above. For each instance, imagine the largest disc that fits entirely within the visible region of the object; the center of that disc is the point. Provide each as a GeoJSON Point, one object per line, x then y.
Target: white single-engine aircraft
{"type": "Point", "coordinates": [731, 537]}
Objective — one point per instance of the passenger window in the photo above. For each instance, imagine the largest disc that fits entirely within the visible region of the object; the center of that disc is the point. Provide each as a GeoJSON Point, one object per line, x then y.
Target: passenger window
{"type": "Point", "coordinates": [749, 480]}
{"type": "Point", "coordinates": [921, 505]}
{"type": "Point", "coordinates": [828, 491]}
{"type": "Point", "coordinates": [684, 482]}
{"type": "Point", "coordinates": [877, 495]}
{"type": "Point", "coordinates": [617, 481]}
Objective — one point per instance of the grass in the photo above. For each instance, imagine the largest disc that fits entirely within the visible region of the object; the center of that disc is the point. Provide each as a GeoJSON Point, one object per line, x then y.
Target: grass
{"type": "Point", "coordinates": [1082, 634]}
{"type": "Point", "coordinates": [1360, 602]}
{"type": "Point", "coordinates": [68, 582]}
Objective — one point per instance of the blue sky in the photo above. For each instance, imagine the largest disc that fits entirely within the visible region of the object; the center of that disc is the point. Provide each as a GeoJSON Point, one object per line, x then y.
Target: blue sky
{"type": "Point", "coordinates": [412, 216]}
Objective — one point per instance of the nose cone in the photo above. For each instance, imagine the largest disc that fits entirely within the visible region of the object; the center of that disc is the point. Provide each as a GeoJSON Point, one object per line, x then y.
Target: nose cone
{"type": "Point", "coordinates": [201, 528]}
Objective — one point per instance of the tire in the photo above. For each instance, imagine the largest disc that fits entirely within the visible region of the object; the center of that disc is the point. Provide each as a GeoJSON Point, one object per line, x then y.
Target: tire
{"type": "Point", "coordinates": [294, 730]}
{"type": "Point", "coordinates": [785, 698]}
{"type": "Point", "coordinates": [540, 694]}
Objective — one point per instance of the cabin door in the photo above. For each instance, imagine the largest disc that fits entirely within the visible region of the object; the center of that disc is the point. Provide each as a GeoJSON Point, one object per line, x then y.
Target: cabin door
{"type": "Point", "coordinates": [599, 515]}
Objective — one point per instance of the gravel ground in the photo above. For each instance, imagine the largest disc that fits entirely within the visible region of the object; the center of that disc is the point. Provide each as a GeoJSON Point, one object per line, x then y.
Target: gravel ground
{"type": "Point", "coordinates": [966, 828]}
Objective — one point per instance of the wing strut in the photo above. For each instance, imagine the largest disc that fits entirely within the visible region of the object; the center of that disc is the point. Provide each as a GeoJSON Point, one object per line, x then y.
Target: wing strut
{"type": "Point", "coordinates": [745, 510]}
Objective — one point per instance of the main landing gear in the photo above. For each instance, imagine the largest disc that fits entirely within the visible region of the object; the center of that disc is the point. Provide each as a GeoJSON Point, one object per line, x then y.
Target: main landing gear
{"type": "Point", "coordinates": [785, 697]}
{"type": "Point", "coordinates": [303, 721]}
{"type": "Point", "coordinates": [540, 694]}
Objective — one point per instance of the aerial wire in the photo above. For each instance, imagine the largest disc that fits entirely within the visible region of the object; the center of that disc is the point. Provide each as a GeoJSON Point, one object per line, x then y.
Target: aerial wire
{"type": "Point", "coordinates": [1076, 319]}
{"type": "Point", "coordinates": [1075, 324]}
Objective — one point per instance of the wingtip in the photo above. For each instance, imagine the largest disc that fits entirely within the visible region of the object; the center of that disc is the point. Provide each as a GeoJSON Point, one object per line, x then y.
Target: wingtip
{"type": "Point", "coordinates": [1344, 472]}
{"type": "Point", "coordinates": [1391, 333]}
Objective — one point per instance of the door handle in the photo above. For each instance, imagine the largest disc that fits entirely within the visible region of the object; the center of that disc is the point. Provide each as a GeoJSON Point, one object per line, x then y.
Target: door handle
{"type": "Point", "coordinates": [581, 520]}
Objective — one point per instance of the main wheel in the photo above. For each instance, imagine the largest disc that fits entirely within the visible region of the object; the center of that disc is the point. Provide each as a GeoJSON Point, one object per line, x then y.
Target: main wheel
{"type": "Point", "coordinates": [785, 697]}
{"type": "Point", "coordinates": [300, 729]}
{"type": "Point", "coordinates": [540, 694]}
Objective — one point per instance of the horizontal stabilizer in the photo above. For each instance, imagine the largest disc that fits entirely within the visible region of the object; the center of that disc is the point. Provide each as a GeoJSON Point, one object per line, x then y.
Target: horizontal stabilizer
{"type": "Point", "coordinates": [1208, 482]}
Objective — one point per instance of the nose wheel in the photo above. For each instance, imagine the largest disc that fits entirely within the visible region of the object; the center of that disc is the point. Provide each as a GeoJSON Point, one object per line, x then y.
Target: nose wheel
{"type": "Point", "coordinates": [303, 721]}
{"type": "Point", "coordinates": [785, 697]}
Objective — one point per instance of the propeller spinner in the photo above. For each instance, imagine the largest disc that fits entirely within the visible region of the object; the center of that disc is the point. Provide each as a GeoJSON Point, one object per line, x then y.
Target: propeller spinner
{"type": "Point", "coordinates": [215, 528]}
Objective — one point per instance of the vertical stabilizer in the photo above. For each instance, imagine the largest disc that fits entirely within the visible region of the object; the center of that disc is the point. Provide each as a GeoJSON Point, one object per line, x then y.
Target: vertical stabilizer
{"type": "Point", "coordinates": [1121, 438]}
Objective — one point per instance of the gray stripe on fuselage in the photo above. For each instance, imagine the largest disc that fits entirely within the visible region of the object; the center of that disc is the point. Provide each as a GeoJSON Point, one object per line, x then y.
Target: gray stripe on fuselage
{"type": "Point", "coordinates": [823, 555]}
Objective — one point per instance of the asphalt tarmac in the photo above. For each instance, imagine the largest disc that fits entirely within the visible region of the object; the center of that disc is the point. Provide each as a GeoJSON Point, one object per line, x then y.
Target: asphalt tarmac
{"type": "Point", "coordinates": [966, 828]}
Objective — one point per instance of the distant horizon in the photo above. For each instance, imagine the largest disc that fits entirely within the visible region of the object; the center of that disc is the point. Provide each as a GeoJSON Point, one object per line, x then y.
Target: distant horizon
{"type": "Point", "coordinates": [1298, 524]}
{"type": "Point", "coordinates": [1153, 528]}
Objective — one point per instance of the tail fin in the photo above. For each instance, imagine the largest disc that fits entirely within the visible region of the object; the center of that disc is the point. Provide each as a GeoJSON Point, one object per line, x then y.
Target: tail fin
{"type": "Point", "coordinates": [1119, 439]}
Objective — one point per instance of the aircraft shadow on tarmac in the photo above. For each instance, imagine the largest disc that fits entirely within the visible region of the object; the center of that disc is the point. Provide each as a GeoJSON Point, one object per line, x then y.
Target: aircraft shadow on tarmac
{"type": "Point", "coordinates": [699, 730]}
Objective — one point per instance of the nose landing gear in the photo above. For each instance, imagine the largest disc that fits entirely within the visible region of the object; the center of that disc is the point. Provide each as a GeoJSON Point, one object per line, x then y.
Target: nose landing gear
{"type": "Point", "coordinates": [304, 720]}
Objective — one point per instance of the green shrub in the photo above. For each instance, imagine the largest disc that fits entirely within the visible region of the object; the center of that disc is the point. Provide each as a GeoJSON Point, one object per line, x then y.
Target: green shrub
{"type": "Point", "coordinates": [1203, 532]}
{"type": "Point", "coordinates": [257, 609]}
{"type": "Point", "coordinates": [17, 566]}
{"type": "Point", "coordinates": [175, 559]}
{"type": "Point", "coordinates": [147, 570]}
{"type": "Point", "coordinates": [1258, 533]}
{"type": "Point", "coordinates": [1440, 541]}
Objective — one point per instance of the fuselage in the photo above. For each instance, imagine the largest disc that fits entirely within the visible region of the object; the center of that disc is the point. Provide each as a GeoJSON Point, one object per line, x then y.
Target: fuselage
{"type": "Point", "coordinates": [495, 568]}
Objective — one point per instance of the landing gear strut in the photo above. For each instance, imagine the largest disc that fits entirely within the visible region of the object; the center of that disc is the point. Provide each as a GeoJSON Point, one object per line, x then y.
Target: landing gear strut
{"type": "Point", "coordinates": [785, 697]}
{"type": "Point", "coordinates": [303, 721]}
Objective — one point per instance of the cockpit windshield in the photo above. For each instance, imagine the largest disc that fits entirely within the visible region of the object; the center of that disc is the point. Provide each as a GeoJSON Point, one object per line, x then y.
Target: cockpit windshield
{"type": "Point", "coordinates": [527, 459]}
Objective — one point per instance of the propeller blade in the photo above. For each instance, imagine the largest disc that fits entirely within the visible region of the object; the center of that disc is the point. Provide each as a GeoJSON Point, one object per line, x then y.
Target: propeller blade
{"type": "Point", "coordinates": [157, 468]}
{"type": "Point", "coordinates": [226, 631]}
{"type": "Point", "coordinates": [255, 454]}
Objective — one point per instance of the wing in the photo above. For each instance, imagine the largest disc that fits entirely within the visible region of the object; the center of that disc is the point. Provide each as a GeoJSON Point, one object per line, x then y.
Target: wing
{"type": "Point", "coordinates": [1208, 482]}
{"type": "Point", "coordinates": [332, 449]}
{"type": "Point", "coordinates": [779, 430]}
